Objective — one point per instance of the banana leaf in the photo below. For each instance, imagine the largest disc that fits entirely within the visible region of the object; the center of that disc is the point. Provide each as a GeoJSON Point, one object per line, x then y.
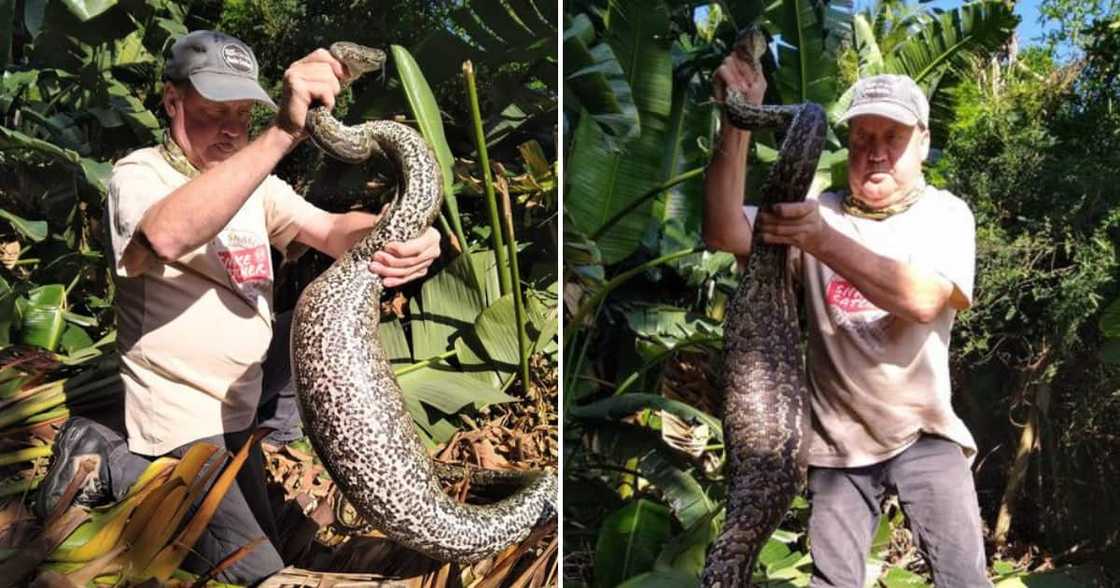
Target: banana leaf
{"type": "Point", "coordinates": [594, 82]}
{"type": "Point", "coordinates": [450, 303]}
{"type": "Point", "coordinates": [684, 494]}
{"type": "Point", "coordinates": [34, 230]}
{"type": "Point", "coordinates": [619, 407]}
{"type": "Point", "coordinates": [42, 317]}
{"type": "Point", "coordinates": [936, 53]}
{"type": "Point", "coordinates": [87, 9]}
{"type": "Point", "coordinates": [629, 541]}
{"type": "Point", "coordinates": [94, 173]}
{"type": "Point", "coordinates": [662, 579]}
{"type": "Point", "coordinates": [603, 181]}
{"type": "Point", "coordinates": [687, 551]}
{"type": "Point", "coordinates": [423, 105]}
{"type": "Point", "coordinates": [8, 314]}
{"type": "Point", "coordinates": [950, 37]}
{"type": "Point", "coordinates": [807, 72]}
{"type": "Point", "coordinates": [691, 123]}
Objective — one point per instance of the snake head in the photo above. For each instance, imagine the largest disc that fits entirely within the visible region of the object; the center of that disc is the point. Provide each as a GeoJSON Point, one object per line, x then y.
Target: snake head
{"type": "Point", "coordinates": [750, 45]}
{"type": "Point", "coordinates": [358, 59]}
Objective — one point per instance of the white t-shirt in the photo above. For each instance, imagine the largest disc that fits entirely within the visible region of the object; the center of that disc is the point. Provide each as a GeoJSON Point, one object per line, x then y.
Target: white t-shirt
{"type": "Point", "coordinates": [878, 381]}
{"type": "Point", "coordinates": [192, 333]}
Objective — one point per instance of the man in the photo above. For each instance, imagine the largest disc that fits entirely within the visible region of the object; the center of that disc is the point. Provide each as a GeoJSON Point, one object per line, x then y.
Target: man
{"type": "Point", "coordinates": [884, 268]}
{"type": "Point", "coordinates": [191, 222]}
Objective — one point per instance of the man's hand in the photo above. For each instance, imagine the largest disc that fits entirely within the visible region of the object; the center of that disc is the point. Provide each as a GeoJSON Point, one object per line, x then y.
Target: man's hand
{"type": "Point", "coordinates": [725, 228]}
{"type": "Point", "coordinates": [738, 73]}
{"type": "Point", "coordinates": [399, 263]}
{"type": "Point", "coordinates": [311, 81]}
{"type": "Point", "coordinates": [794, 223]}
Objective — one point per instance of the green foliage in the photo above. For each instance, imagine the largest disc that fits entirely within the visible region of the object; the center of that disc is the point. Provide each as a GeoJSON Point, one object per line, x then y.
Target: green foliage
{"type": "Point", "coordinates": [1070, 20]}
{"type": "Point", "coordinates": [601, 180]}
{"type": "Point", "coordinates": [642, 339]}
{"type": "Point", "coordinates": [1033, 150]}
{"type": "Point", "coordinates": [81, 88]}
{"type": "Point", "coordinates": [75, 97]}
{"type": "Point", "coordinates": [597, 81]}
{"type": "Point", "coordinates": [629, 541]}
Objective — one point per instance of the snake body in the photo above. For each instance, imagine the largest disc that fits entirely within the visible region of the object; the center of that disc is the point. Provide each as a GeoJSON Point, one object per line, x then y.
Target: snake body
{"type": "Point", "coordinates": [349, 398]}
{"type": "Point", "coordinates": [763, 374]}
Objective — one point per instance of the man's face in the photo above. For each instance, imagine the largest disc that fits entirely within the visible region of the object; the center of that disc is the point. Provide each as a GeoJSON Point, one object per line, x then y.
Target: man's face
{"type": "Point", "coordinates": [208, 132]}
{"type": "Point", "coordinates": [884, 158]}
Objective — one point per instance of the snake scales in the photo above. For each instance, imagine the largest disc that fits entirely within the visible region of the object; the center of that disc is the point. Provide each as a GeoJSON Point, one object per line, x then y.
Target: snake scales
{"type": "Point", "coordinates": [763, 377]}
{"type": "Point", "coordinates": [349, 398]}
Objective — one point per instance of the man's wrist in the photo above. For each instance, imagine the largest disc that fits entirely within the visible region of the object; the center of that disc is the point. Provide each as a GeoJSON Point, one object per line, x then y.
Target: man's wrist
{"type": "Point", "coordinates": [732, 139]}
{"type": "Point", "coordinates": [286, 140]}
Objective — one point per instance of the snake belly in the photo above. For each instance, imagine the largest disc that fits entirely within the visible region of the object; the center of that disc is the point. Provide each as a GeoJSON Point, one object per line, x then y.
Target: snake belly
{"type": "Point", "coordinates": [349, 398]}
{"type": "Point", "coordinates": [765, 418]}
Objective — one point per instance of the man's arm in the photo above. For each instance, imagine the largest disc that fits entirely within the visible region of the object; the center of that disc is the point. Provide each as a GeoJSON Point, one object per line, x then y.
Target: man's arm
{"type": "Point", "coordinates": [725, 227]}
{"type": "Point", "coordinates": [194, 213]}
{"type": "Point", "coordinates": [899, 288]}
{"type": "Point", "coordinates": [398, 263]}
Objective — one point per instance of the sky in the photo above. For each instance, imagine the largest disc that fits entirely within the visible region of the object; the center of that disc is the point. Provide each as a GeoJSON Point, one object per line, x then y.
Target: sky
{"type": "Point", "coordinates": [1029, 29]}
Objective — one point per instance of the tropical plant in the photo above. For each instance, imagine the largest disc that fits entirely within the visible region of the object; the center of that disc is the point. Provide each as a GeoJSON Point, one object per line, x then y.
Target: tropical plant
{"type": "Point", "coordinates": [644, 303]}
{"type": "Point", "coordinates": [81, 88]}
{"type": "Point", "coordinates": [1034, 352]}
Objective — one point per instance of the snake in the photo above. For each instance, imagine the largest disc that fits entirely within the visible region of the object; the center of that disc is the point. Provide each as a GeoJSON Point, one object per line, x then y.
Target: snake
{"type": "Point", "coordinates": [349, 398]}
{"type": "Point", "coordinates": [763, 377]}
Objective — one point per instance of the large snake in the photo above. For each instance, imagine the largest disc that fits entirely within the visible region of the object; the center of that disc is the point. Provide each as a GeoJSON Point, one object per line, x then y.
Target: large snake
{"type": "Point", "coordinates": [349, 398]}
{"type": "Point", "coordinates": [763, 376]}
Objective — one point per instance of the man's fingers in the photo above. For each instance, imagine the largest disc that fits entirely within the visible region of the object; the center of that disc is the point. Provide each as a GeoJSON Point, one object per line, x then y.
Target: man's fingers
{"type": "Point", "coordinates": [424, 246]}
{"type": "Point", "coordinates": [317, 81]}
{"type": "Point", "coordinates": [323, 56]}
{"type": "Point", "coordinates": [778, 240]}
{"type": "Point", "coordinates": [775, 220]}
{"type": "Point", "coordinates": [389, 271]}
{"type": "Point", "coordinates": [386, 271]}
{"type": "Point", "coordinates": [793, 210]}
{"type": "Point", "coordinates": [393, 282]}
{"type": "Point", "coordinates": [391, 260]}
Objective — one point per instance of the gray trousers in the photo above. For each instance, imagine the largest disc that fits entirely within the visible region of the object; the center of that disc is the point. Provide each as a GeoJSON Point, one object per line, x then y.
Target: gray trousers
{"type": "Point", "coordinates": [244, 513]}
{"type": "Point", "coordinates": [937, 494]}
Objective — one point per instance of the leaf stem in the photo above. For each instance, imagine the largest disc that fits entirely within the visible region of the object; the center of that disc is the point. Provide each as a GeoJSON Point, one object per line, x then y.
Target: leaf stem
{"type": "Point", "coordinates": [518, 298]}
{"type": "Point", "coordinates": [646, 196]}
{"type": "Point", "coordinates": [504, 278]}
{"type": "Point", "coordinates": [574, 325]}
{"type": "Point", "coordinates": [408, 369]}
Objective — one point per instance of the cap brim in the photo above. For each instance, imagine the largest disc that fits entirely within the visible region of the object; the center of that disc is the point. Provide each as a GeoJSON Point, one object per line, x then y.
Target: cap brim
{"type": "Point", "coordinates": [885, 109]}
{"type": "Point", "coordinates": [223, 88]}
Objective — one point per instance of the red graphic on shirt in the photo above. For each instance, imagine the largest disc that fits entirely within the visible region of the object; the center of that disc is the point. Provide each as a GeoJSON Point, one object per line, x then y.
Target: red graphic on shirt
{"type": "Point", "coordinates": [246, 265]}
{"type": "Point", "coordinates": [843, 295]}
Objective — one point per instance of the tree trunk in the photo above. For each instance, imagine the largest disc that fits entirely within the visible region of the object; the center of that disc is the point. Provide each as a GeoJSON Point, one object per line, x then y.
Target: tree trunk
{"type": "Point", "coordinates": [1037, 394]}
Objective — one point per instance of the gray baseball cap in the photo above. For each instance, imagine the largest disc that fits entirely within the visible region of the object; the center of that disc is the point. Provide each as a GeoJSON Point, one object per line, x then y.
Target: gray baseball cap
{"type": "Point", "coordinates": [895, 97]}
{"type": "Point", "coordinates": [220, 67]}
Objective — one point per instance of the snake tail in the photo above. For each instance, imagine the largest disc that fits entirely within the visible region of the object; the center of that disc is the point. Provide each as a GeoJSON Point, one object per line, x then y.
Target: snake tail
{"type": "Point", "coordinates": [349, 398]}
{"type": "Point", "coordinates": [765, 417]}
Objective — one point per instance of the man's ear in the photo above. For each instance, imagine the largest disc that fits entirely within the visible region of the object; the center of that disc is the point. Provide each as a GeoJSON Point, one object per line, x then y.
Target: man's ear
{"type": "Point", "coordinates": [925, 143]}
{"type": "Point", "coordinates": [172, 99]}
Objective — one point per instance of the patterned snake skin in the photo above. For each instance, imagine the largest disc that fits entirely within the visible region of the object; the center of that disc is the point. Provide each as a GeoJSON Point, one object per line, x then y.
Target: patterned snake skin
{"type": "Point", "coordinates": [764, 413]}
{"type": "Point", "coordinates": [349, 398]}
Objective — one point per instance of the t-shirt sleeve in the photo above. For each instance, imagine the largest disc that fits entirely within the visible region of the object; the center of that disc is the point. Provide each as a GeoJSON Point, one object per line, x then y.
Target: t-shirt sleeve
{"type": "Point", "coordinates": [283, 209]}
{"type": "Point", "coordinates": [952, 252]}
{"type": "Point", "coordinates": [133, 188]}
